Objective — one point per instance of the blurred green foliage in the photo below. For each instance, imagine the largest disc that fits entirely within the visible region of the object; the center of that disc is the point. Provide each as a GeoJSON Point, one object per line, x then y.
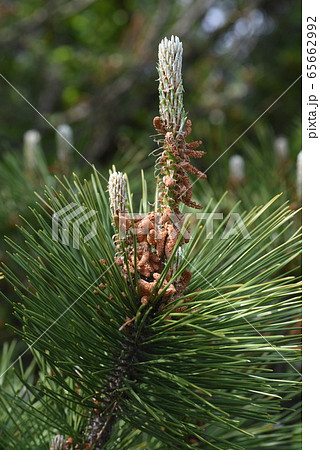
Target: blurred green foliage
{"type": "Point", "coordinates": [92, 64]}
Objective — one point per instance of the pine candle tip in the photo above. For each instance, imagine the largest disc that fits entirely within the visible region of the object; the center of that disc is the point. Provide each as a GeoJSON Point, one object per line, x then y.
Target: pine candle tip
{"type": "Point", "coordinates": [117, 188]}
{"type": "Point", "coordinates": [66, 131]}
{"type": "Point", "coordinates": [281, 147]}
{"type": "Point", "coordinates": [64, 140]}
{"type": "Point", "coordinates": [299, 175]}
{"type": "Point", "coordinates": [237, 167]}
{"type": "Point", "coordinates": [170, 84]}
{"type": "Point", "coordinates": [31, 149]}
{"type": "Point", "coordinates": [31, 138]}
{"type": "Point", "coordinates": [174, 164]}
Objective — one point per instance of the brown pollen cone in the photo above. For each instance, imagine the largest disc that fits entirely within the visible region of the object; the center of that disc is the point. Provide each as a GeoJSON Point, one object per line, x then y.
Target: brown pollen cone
{"type": "Point", "coordinates": [174, 166]}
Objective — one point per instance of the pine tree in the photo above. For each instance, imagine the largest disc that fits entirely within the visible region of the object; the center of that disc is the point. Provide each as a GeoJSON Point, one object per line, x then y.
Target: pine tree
{"type": "Point", "coordinates": [154, 333]}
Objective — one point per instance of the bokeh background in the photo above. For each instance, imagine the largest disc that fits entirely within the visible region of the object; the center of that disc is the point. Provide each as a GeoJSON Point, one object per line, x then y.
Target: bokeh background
{"type": "Point", "coordinates": [91, 64]}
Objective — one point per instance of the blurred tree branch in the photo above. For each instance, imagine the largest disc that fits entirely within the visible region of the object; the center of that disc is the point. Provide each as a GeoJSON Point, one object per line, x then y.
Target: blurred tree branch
{"type": "Point", "coordinates": [52, 11]}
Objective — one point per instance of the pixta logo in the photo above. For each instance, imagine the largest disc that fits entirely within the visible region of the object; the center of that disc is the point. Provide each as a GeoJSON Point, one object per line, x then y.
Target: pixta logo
{"type": "Point", "coordinates": [74, 216]}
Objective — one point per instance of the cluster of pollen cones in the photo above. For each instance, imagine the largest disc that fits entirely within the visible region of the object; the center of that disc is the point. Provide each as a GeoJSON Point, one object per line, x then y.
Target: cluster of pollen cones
{"type": "Point", "coordinates": [156, 236]}
{"type": "Point", "coordinates": [145, 243]}
{"type": "Point", "coordinates": [174, 165]}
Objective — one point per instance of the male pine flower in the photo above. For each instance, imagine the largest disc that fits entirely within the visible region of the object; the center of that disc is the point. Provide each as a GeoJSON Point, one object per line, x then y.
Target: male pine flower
{"type": "Point", "coordinates": [173, 165]}
{"type": "Point", "coordinates": [157, 234]}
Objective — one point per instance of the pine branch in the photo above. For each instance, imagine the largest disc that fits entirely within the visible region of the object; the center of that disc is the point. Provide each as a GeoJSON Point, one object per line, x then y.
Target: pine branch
{"type": "Point", "coordinates": [133, 351]}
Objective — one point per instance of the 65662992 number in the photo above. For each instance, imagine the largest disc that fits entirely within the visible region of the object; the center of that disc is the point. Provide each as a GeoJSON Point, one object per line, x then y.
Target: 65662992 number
{"type": "Point", "coordinates": [311, 47]}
